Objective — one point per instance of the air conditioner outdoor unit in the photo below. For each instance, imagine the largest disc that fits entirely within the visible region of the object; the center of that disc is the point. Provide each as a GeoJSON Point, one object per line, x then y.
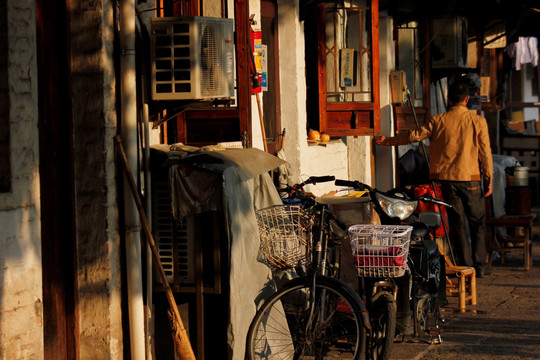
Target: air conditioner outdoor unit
{"type": "Point", "coordinates": [450, 43]}
{"type": "Point", "coordinates": [192, 58]}
{"type": "Point", "coordinates": [175, 240]}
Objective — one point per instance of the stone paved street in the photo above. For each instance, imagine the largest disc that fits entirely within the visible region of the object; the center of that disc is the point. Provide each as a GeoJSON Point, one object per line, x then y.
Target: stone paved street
{"type": "Point", "coordinates": [505, 324]}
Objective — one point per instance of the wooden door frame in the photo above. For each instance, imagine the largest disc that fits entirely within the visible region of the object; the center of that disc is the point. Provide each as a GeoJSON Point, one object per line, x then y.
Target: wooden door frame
{"type": "Point", "coordinates": [267, 7]}
{"type": "Point", "coordinates": [56, 180]}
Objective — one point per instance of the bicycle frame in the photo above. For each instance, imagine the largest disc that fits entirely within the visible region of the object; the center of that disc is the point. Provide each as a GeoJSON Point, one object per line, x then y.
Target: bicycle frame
{"type": "Point", "coordinates": [319, 251]}
{"type": "Point", "coordinates": [319, 258]}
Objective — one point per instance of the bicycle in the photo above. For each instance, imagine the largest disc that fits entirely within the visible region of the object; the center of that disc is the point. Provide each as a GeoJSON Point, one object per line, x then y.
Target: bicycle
{"type": "Point", "coordinates": [315, 315]}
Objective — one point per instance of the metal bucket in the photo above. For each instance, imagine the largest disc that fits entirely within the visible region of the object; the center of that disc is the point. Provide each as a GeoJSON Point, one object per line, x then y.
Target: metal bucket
{"type": "Point", "coordinates": [517, 176]}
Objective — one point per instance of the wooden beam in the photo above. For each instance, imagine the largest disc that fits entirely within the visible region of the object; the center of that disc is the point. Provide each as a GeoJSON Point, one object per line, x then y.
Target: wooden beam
{"type": "Point", "coordinates": [375, 66]}
{"type": "Point", "coordinates": [243, 86]}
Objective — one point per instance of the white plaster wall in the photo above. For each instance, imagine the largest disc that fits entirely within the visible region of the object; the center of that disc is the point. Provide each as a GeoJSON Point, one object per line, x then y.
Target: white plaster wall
{"type": "Point", "coordinates": [385, 155]}
{"type": "Point", "coordinates": [99, 295]}
{"type": "Point", "coordinates": [347, 159]}
{"type": "Point", "coordinates": [21, 320]}
{"type": "Point", "coordinates": [292, 81]}
{"type": "Point", "coordinates": [21, 304]}
{"type": "Point", "coordinates": [360, 160]}
{"type": "Point", "coordinates": [305, 160]}
{"type": "Point", "coordinates": [320, 160]}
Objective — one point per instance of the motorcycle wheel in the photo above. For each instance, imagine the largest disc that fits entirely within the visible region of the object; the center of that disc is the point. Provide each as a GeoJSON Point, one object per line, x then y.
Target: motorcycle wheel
{"type": "Point", "coordinates": [423, 310]}
{"type": "Point", "coordinates": [427, 320]}
{"type": "Point", "coordinates": [382, 315]}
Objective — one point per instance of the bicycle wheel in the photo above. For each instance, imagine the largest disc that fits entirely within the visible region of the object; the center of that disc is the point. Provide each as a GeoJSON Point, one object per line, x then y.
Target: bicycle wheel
{"type": "Point", "coordinates": [295, 323]}
{"type": "Point", "coordinates": [382, 314]}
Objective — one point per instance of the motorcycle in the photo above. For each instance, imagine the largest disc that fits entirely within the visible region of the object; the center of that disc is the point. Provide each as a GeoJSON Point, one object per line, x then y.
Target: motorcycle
{"type": "Point", "coordinates": [408, 304]}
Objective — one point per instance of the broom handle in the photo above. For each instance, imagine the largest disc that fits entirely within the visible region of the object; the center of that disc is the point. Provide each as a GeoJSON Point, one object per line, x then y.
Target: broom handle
{"type": "Point", "coordinates": [261, 120]}
{"type": "Point", "coordinates": [282, 140]}
{"type": "Point", "coordinates": [182, 342]}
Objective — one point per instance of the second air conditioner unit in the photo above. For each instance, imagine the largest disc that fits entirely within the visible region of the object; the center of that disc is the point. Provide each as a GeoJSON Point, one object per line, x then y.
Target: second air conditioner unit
{"type": "Point", "coordinates": [192, 58]}
{"type": "Point", "coordinates": [450, 43]}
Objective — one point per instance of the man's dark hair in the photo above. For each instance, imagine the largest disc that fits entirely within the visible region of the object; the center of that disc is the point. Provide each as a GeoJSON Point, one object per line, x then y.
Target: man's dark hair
{"type": "Point", "coordinates": [457, 92]}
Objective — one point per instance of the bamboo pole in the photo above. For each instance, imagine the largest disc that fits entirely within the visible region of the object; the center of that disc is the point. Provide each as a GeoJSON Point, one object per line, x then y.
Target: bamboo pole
{"type": "Point", "coordinates": [261, 120]}
{"type": "Point", "coordinates": [181, 339]}
{"type": "Point", "coordinates": [256, 84]}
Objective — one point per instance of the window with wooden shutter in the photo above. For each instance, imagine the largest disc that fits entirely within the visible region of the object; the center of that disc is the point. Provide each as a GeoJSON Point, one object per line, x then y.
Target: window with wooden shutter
{"type": "Point", "coordinates": [343, 96]}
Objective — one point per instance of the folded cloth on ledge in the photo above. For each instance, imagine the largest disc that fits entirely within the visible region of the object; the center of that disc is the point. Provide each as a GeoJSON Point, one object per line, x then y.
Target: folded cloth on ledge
{"type": "Point", "coordinates": [196, 178]}
{"type": "Point", "coordinates": [247, 162]}
{"type": "Point", "coordinates": [194, 190]}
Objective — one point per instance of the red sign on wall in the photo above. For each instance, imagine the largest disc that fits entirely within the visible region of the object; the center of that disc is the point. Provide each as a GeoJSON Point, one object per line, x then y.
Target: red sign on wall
{"type": "Point", "coordinates": [256, 63]}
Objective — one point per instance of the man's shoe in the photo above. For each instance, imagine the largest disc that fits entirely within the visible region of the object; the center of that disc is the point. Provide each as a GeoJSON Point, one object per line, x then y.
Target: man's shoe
{"type": "Point", "coordinates": [482, 273]}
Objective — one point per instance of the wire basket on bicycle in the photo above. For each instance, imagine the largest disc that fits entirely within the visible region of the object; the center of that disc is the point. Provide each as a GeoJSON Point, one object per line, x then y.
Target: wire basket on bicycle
{"type": "Point", "coordinates": [284, 232]}
{"type": "Point", "coordinates": [380, 250]}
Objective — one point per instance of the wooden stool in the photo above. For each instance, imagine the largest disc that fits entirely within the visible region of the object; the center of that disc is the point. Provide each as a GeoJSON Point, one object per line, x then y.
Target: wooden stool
{"type": "Point", "coordinates": [461, 282]}
{"type": "Point", "coordinates": [519, 242]}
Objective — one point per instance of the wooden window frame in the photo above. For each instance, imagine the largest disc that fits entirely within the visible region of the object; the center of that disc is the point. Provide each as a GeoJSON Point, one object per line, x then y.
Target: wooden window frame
{"type": "Point", "coordinates": [403, 115]}
{"type": "Point", "coordinates": [347, 118]}
{"type": "Point", "coordinates": [210, 125]}
{"type": "Point", "coordinates": [271, 97]}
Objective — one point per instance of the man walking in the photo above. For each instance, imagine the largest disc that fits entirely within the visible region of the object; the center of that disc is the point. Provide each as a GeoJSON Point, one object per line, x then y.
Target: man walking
{"type": "Point", "coordinates": [460, 160]}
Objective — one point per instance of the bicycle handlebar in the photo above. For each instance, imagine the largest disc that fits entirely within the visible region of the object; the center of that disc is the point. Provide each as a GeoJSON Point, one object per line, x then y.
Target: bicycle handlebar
{"type": "Point", "coordinates": [432, 200]}
{"type": "Point", "coordinates": [357, 185]}
{"type": "Point", "coordinates": [319, 179]}
{"type": "Point", "coordinates": [297, 191]}
{"type": "Point", "coordinates": [348, 183]}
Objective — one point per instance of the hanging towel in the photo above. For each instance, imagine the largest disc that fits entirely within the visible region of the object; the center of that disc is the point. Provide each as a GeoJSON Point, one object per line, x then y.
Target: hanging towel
{"type": "Point", "coordinates": [533, 46]}
{"type": "Point", "coordinates": [524, 51]}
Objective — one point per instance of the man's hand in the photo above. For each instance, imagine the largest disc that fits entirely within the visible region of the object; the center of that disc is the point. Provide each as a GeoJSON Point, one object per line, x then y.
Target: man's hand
{"type": "Point", "coordinates": [380, 140]}
{"type": "Point", "coordinates": [488, 191]}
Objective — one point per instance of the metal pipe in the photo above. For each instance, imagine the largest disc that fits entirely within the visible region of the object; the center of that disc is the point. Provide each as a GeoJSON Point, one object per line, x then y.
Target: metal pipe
{"type": "Point", "coordinates": [149, 263]}
{"type": "Point", "coordinates": [132, 223]}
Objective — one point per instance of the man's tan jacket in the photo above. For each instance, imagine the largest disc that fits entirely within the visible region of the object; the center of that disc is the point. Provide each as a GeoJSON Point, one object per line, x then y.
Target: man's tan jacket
{"type": "Point", "coordinates": [459, 147]}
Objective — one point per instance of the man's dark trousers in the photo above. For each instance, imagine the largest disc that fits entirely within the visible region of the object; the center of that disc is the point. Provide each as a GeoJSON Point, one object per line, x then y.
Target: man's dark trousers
{"type": "Point", "coordinates": [467, 218]}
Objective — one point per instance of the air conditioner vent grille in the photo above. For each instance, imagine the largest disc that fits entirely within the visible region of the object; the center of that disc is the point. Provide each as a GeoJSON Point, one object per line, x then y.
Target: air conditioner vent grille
{"type": "Point", "coordinates": [174, 239]}
{"type": "Point", "coordinates": [192, 58]}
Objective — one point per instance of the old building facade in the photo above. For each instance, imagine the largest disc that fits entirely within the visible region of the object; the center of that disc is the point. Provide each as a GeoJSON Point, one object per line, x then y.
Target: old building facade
{"type": "Point", "coordinates": [71, 79]}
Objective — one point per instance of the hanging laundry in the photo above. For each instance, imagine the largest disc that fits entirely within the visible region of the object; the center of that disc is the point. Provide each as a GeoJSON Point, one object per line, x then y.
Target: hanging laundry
{"type": "Point", "coordinates": [533, 45]}
{"type": "Point", "coordinates": [524, 51]}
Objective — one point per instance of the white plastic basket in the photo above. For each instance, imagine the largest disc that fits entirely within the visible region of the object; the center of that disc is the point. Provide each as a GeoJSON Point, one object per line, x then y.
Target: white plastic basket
{"type": "Point", "coordinates": [380, 250]}
{"type": "Point", "coordinates": [284, 233]}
